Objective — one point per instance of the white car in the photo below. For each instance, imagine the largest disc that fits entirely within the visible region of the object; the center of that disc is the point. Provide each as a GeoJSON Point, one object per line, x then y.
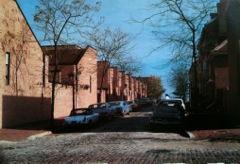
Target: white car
{"type": "Point", "coordinates": [105, 110]}
{"type": "Point", "coordinates": [121, 107]}
{"type": "Point", "coordinates": [82, 116]}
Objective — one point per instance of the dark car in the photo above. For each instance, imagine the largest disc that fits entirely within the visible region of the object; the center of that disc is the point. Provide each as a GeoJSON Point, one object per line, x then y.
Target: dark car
{"type": "Point", "coordinates": [145, 102]}
{"type": "Point", "coordinates": [167, 112]}
{"type": "Point", "coordinates": [134, 105]}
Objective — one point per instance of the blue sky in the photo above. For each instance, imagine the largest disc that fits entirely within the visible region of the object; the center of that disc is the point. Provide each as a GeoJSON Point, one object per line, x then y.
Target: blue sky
{"type": "Point", "coordinates": [117, 14]}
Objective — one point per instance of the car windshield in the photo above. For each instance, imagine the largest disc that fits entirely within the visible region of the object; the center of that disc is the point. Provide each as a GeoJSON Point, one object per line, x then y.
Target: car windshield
{"type": "Point", "coordinates": [114, 103]}
{"type": "Point", "coordinates": [97, 106]}
{"type": "Point", "coordinates": [169, 103]}
{"type": "Point", "coordinates": [77, 112]}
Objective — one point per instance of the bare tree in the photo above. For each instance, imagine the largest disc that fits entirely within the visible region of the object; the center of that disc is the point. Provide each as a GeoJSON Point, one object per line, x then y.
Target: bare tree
{"type": "Point", "coordinates": [129, 64]}
{"type": "Point", "coordinates": [113, 47]}
{"type": "Point", "coordinates": [59, 22]}
{"type": "Point", "coordinates": [179, 23]}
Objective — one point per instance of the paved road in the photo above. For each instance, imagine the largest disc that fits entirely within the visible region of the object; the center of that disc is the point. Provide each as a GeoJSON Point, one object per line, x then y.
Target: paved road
{"type": "Point", "coordinates": [123, 140]}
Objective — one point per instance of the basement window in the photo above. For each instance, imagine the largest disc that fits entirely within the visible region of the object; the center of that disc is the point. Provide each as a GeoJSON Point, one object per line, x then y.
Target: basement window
{"type": "Point", "coordinates": [7, 68]}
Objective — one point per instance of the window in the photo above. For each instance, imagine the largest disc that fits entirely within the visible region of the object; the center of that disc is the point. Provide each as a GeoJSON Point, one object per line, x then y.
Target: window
{"type": "Point", "coordinates": [7, 68]}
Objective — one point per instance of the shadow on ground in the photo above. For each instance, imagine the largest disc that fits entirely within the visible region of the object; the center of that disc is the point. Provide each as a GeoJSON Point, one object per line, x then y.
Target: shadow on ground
{"type": "Point", "coordinates": [208, 121]}
{"type": "Point", "coordinates": [138, 121]}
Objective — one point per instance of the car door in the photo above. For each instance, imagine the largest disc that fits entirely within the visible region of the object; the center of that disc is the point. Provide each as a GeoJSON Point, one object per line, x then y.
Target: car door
{"type": "Point", "coordinates": [124, 107]}
{"type": "Point", "coordinates": [95, 117]}
{"type": "Point", "coordinates": [127, 106]}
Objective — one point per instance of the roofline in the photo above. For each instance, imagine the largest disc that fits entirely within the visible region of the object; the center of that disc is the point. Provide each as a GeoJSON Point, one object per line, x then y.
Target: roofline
{"type": "Point", "coordinates": [89, 46]}
{"type": "Point", "coordinates": [27, 22]}
{"type": "Point", "coordinates": [217, 49]}
{"type": "Point", "coordinates": [62, 45]}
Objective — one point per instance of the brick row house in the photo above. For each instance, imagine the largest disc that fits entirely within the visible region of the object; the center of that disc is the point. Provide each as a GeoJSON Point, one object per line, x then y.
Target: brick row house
{"type": "Point", "coordinates": [76, 77]}
{"type": "Point", "coordinates": [22, 94]}
{"type": "Point", "coordinates": [219, 57]}
{"type": "Point", "coordinates": [27, 73]}
{"type": "Point", "coordinates": [117, 85]}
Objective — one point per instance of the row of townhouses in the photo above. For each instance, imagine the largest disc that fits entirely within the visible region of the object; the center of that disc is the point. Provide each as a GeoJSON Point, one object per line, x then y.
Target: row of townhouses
{"type": "Point", "coordinates": [27, 72]}
{"type": "Point", "coordinates": [218, 65]}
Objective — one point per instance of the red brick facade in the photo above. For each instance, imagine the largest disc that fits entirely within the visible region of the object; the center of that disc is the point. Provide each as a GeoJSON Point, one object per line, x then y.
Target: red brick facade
{"type": "Point", "coordinates": [76, 77]}
{"type": "Point", "coordinates": [218, 66]}
{"type": "Point", "coordinates": [22, 95]}
{"type": "Point", "coordinates": [233, 35]}
{"type": "Point", "coordinates": [120, 86]}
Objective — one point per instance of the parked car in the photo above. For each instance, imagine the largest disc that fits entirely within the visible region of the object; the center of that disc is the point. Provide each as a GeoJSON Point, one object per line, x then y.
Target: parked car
{"type": "Point", "coordinates": [180, 101]}
{"type": "Point", "coordinates": [167, 112]}
{"type": "Point", "coordinates": [121, 107]}
{"type": "Point", "coordinates": [134, 105]}
{"type": "Point", "coordinates": [105, 110]}
{"type": "Point", "coordinates": [145, 102]}
{"type": "Point", "coordinates": [81, 116]}
{"type": "Point", "coordinates": [137, 101]}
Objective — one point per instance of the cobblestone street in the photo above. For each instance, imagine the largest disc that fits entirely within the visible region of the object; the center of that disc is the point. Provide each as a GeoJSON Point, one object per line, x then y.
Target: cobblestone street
{"type": "Point", "coordinates": [123, 140]}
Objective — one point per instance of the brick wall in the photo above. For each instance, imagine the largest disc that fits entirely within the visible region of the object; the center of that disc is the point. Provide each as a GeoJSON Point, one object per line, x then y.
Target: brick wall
{"type": "Point", "coordinates": [102, 69]}
{"type": "Point", "coordinates": [22, 100]}
{"type": "Point", "coordinates": [221, 78]}
{"type": "Point", "coordinates": [233, 31]}
{"type": "Point", "coordinates": [88, 77]}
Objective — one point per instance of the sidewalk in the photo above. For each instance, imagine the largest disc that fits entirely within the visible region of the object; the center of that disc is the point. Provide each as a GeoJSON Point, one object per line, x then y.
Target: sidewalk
{"type": "Point", "coordinates": [16, 135]}
{"type": "Point", "coordinates": [215, 134]}
{"type": "Point", "coordinates": [212, 126]}
{"type": "Point", "coordinates": [28, 131]}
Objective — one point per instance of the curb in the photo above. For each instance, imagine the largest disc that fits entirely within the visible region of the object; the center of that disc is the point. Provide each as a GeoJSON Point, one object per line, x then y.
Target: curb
{"type": "Point", "coordinates": [33, 137]}
{"type": "Point", "coordinates": [191, 135]}
{"type": "Point", "coordinates": [6, 142]}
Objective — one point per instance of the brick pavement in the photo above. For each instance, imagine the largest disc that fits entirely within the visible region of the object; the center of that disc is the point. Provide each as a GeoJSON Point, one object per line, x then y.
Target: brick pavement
{"type": "Point", "coordinates": [119, 147]}
{"type": "Point", "coordinates": [134, 144]}
{"type": "Point", "coordinates": [214, 134]}
{"type": "Point", "coordinates": [16, 135]}
{"type": "Point", "coordinates": [27, 131]}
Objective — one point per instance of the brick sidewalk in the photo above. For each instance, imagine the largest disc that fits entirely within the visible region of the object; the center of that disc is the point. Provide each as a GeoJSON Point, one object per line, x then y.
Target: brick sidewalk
{"type": "Point", "coordinates": [214, 134]}
{"type": "Point", "coordinates": [16, 135]}
{"type": "Point", "coordinates": [23, 132]}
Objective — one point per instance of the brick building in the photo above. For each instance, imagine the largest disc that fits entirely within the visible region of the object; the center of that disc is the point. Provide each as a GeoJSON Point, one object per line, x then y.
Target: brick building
{"type": "Point", "coordinates": [117, 85]}
{"type": "Point", "coordinates": [22, 81]}
{"type": "Point", "coordinates": [76, 77]}
{"type": "Point", "coordinates": [113, 84]}
{"type": "Point", "coordinates": [233, 36]}
{"type": "Point", "coordinates": [103, 80]}
{"type": "Point", "coordinates": [218, 62]}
